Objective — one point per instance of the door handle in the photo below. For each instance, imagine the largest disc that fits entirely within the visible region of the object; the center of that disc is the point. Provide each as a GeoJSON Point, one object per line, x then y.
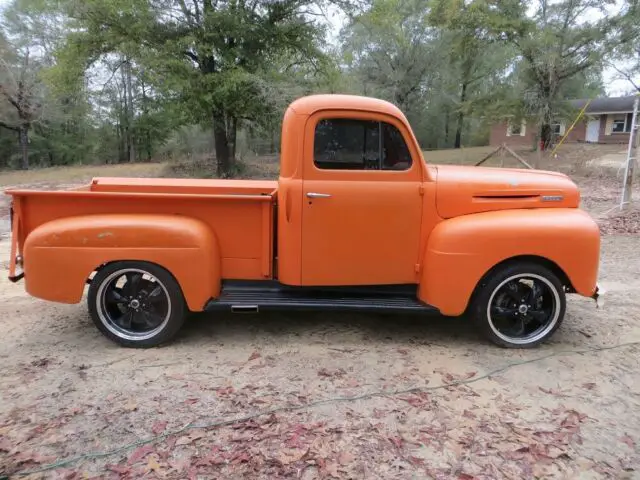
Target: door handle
{"type": "Point", "coordinates": [318, 195]}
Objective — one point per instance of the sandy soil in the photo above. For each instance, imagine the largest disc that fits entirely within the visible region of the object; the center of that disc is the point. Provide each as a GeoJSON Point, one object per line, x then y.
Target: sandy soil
{"type": "Point", "coordinates": [326, 396]}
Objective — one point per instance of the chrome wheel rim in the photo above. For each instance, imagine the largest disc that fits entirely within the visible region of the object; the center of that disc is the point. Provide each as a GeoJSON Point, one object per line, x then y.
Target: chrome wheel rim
{"type": "Point", "coordinates": [133, 304]}
{"type": "Point", "coordinates": [523, 309]}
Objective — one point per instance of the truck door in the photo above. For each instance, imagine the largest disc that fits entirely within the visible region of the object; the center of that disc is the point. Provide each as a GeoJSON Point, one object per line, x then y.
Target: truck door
{"type": "Point", "coordinates": [362, 202]}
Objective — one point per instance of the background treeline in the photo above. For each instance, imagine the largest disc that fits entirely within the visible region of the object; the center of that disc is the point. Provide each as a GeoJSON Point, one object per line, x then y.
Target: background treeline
{"type": "Point", "coordinates": [111, 81]}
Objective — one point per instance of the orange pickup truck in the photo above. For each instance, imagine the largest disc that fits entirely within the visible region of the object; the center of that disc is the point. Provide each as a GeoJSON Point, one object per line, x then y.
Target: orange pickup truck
{"type": "Point", "coordinates": [356, 221]}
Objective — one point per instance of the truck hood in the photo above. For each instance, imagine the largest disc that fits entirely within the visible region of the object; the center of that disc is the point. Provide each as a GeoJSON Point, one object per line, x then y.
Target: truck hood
{"type": "Point", "coordinates": [462, 190]}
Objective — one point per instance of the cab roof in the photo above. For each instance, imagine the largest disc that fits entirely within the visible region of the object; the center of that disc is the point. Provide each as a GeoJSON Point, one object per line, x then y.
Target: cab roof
{"type": "Point", "coordinates": [314, 103]}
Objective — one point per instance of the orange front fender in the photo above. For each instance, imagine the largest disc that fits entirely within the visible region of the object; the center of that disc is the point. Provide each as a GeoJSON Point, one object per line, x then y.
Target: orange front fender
{"type": "Point", "coordinates": [60, 255]}
{"type": "Point", "coordinates": [461, 250]}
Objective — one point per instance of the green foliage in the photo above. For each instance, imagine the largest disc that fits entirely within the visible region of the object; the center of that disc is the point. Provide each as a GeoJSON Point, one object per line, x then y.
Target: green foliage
{"type": "Point", "coordinates": [107, 81]}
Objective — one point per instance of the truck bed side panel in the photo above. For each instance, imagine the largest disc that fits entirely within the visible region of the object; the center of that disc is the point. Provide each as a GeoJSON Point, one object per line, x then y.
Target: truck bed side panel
{"type": "Point", "coordinates": [237, 221]}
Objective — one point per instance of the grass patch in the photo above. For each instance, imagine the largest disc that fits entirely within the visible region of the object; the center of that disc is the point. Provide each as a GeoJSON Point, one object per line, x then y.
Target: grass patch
{"type": "Point", "coordinates": [78, 174]}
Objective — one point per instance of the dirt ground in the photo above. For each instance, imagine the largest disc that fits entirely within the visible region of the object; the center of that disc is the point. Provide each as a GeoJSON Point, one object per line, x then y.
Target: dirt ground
{"type": "Point", "coordinates": [331, 396]}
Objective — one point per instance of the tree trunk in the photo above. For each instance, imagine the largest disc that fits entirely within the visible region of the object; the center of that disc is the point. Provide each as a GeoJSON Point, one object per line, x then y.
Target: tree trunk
{"type": "Point", "coordinates": [145, 111]}
{"type": "Point", "coordinates": [24, 145]}
{"type": "Point", "coordinates": [223, 158]}
{"type": "Point", "coordinates": [446, 128]}
{"type": "Point", "coordinates": [232, 130]}
{"type": "Point", "coordinates": [224, 135]}
{"type": "Point", "coordinates": [130, 114]}
{"type": "Point", "coordinates": [463, 98]}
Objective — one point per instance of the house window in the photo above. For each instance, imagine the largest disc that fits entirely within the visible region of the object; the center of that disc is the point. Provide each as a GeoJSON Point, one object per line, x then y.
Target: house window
{"type": "Point", "coordinates": [621, 123]}
{"type": "Point", "coordinates": [557, 129]}
{"type": "Point", "coordinates": [618, 124]}
{"type": "Point", "coordinates": [516, 127]}
{"type": "Point", "coordinates": [348, 144]}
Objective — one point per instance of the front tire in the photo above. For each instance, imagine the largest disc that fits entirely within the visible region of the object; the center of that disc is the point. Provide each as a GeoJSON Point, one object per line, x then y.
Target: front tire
{"type": "Point", "coordinates": [519, 305]}
{"type": "Point", "coordinates": [136, 304]}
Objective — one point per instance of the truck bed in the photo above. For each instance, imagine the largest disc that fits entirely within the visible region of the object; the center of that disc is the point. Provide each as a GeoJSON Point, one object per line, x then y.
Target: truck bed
{"type": "Point", "coordinates": [239, 212]}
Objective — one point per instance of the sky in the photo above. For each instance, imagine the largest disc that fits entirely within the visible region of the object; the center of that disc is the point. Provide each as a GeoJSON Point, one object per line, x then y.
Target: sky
{"type": "Point", "coordinates": [613, 85]}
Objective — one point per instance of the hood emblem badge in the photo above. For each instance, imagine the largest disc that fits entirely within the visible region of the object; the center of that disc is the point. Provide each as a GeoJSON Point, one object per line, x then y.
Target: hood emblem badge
{"type": "Point", "coordinates": [552, 198]}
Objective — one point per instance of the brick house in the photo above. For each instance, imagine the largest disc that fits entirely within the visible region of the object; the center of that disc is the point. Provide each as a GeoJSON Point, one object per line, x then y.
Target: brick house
{"type": "Point", "coordinates": [606, 120]}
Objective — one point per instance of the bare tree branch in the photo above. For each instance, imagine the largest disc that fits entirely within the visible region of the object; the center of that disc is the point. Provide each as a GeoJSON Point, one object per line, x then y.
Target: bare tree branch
{"type": "Point", "coordinates": [626, 75]}
{"type": "Point", "coordinates": [11, 99]}
{"type": "Point", "coordinates": [9, 127]}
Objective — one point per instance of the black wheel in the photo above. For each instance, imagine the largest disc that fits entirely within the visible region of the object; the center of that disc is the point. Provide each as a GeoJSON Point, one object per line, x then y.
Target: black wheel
{"type": "Point", "coordinates": [519, 305]}
{"type": "Point", "coordinates": [136, 304]}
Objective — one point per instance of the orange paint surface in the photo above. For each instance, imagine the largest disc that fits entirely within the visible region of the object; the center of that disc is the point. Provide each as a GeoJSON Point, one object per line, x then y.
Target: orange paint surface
{"type": "Point", "coordinates": [441, 228]}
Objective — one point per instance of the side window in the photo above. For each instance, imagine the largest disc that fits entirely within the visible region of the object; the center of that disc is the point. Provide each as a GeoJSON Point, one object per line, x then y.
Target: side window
{"type": "Point", "coordinates": [395, 153]}
{"type": "Point", "coordinates": [349, 144]}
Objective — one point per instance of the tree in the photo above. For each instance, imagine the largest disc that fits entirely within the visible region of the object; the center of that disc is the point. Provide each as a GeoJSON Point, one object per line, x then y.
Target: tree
{"type": "Point", "coordinates": [473, 54]}
{"type": "Point", "coordinates": [558, 41]}
{"type": "Point", "coordinates": [392, 48]}
{"type": "Point", "coordinates": [20, 87]}
{"type": "Point", "coordinates": [212, 56]}
{"type": "Point", "coordinates": [625, 49]}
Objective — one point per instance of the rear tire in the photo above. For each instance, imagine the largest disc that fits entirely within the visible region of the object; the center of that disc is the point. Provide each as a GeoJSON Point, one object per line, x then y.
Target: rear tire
{"type": "Point", "coordinates": [519, 305]}
{"type": "Point", "coordinates": [136, 304]}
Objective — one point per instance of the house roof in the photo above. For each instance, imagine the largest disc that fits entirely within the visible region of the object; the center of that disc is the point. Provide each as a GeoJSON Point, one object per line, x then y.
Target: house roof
{"type": "Point", "coordinates": [606, 104]}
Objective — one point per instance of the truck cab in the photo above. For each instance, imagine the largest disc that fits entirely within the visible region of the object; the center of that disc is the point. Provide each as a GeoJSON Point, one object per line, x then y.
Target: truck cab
{"type": "Point", "coordinates": [357, 220]}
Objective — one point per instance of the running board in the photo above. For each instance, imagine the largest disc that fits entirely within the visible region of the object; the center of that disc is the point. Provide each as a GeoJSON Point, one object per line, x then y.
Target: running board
{"type": "Point", "coordinates": [250, 298]}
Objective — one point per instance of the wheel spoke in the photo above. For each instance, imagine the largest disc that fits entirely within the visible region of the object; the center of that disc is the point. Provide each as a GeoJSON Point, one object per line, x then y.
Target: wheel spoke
{"type": "Point", "coordinates": [539, 316]}
{"type": "Point", "coordinates": [519, 327]}
{"type": "Point", "coordinates": [133, 281]}
{"type": "Point", "coordinates": [513, 290]}
{"type": "Point", "coordinates": [125, 320]}
{"type": "Point", "coordinates": [155, 295]}
{"type": "Point", "coordinates": [534, 293]}
{"type": "Point", "coordinates": [114, 295]}
{"type": "Point", "coordinates": [504, 313]}
{"type": "Point", "coordinates": [151, 319]}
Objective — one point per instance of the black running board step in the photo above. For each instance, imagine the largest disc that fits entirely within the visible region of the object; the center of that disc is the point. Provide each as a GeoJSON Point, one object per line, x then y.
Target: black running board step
{"type": "Point", "coordinates": [240, 300]}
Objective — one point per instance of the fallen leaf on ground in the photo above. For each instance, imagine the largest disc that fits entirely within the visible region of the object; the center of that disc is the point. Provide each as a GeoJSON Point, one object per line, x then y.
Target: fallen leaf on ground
{"type": "Point", "coordinates": [254, 355]}
{"type": "Point", "coordinates": [5, 445]}
{"type": "Point", "coordinates": [551, 391]}
{"type": "Point", "coordinates": [187, 439]}
{"type": "Point", "coordinates": [41, 362]}
{"type": "Point", "coordinates": [288, 456]}
{"type": "Point", "coordinates": [154, 466]}
{"type": "Point", "coordinates": [397, 441]}
{"type": "Point", "coordinates": [120, 469]}
{"type": "Point", "coordinates": [139, 453]}
{"type": "Point", "coordinates": [241, 457]}
{"type": "Point", "coordinates": [323, 372]}
{"type": "Point", "coordinates": [331, 468]}
{"type": "Point", "coordinates": [345, 458]}
{"type": "Point", "coordinates": [158, 427]}
{"type": "Point", "coordinates": [628, 441]}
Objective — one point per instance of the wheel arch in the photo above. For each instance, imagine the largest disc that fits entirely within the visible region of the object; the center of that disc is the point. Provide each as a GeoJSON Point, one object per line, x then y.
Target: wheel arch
{"type": "Point", "coordinates": [550, 265]}
{"type": "Point", "coordinates": [538, 260]}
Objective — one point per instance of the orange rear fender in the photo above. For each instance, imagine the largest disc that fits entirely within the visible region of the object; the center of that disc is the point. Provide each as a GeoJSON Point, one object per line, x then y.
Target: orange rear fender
{"type": "Point", "coordinates": [461, 250]}
{"type": "Point", "coordinates": [60, 255]}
